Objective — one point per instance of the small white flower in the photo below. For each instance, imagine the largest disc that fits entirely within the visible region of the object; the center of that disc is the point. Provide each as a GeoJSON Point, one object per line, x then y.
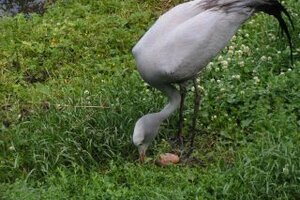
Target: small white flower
{"type": "Point", "coordinates": [224, 64]}
{"type": "Point", "coordinates": [242, 92]}
{"type": "Point", "coordinates": [220, 58]}
{"type": "Point", "coordinates": [269, 58]}
{"type": "Point", "coordinates": [218, 81]}
{"type": "Point", "coordinates": [285, 170]}
{"type": "Point", "coordinates": [289, 69]}
{"type": "Point", "coordinates": [236, 76]}
{"type": "Point", "coordinates": [282, 73]}
{"type": "Point", "coordinates": [12, 148]}
{"type": "Point", "coordinates": [86, 92]}
{"type": "Point", "coordinates": [241, 63]}
{"type": "Point", "coordinates": [246, 49]}
{"type": "Point", "coordinates": [239, 52]}
{"type": "Point", "coordinates": [256, 80]}
{"type": "Point", "coordinates": [263, 58]}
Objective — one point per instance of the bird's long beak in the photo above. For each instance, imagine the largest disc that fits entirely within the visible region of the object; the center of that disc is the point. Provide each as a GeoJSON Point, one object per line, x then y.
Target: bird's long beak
{"type": "Point", "coordinates": [142, 157]}
{"type": "Point", "coordinates": [142, 152]}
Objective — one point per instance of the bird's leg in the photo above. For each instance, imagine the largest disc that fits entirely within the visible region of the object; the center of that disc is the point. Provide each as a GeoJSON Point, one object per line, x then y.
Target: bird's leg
{"type": "Point", "coordinates": [182, 88]}
{"type": "Point", "coordinates": [196, 110]}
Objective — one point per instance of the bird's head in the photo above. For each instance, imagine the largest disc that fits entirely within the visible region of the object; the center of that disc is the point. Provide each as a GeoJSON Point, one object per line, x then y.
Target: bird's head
{"type": "Point", "coordinates": [145, 130]}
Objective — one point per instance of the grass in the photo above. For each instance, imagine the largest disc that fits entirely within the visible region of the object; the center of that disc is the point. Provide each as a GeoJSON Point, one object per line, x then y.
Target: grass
{"type": "Point", "coordinates": [70, 95]}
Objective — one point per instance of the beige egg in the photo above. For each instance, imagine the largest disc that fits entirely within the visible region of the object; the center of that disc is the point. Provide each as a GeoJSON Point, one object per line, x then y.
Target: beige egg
{"type": "Point", "coordinates": [167, 159]}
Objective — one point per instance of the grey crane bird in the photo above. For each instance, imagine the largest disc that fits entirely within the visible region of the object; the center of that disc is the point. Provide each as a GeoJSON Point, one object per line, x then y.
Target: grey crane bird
{"type": "Point", "coordinates": [182, 42]}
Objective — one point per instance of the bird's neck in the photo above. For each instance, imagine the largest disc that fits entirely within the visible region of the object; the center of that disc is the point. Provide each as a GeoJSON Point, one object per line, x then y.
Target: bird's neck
{"type": "Point", "coordinates": [174, 102]}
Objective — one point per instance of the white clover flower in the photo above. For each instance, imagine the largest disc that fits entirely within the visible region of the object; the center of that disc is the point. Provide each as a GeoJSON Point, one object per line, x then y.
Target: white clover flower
{"type": "Point", "coordinates": [256, 80]}
{"type": "Point", "coordinates": [242, 92]}
{"type": "Point", "coordinates": [231, 48]}
{"type": "Point", "coordinates": [210, 65]}
{"type": "Point", "coordinates": [233, 38]}
{"type": "Point", "coordinates": [217, 69]}
{"type": "Point", "coordinates": [86, 92]}
{"type": "Point", "coordinates": [236, 76]}
{"type": "Point", "coordinates": [278, 52]}
{"type": "Point", "coordinates": [212, 80]}
{"type": "Point", "coordinates": [224, 63]}
{"type": "Point", "coordinates": [222, 89]}
{"type": "Point", "coordinates": [263, 58]}
{"type": "Point", "coordinates": [239, 52]}
{"type": "Point", "coordinates": [246, 50]}
{"type": "Point", "coordinates": [269, 58]}
{"type": "Point", "coordinates": [220, 58]}
{"type": "Point", "coordinates": [285, 170]}
{"type": "Point", "coordinates": [230, 52]}
{"type": "Point", "coordinates": [289, 69]}
{"type": "Point", "coordinates": [247, 35]}
{"type": "Point", "coordinates": [218, 81]}
{"type": "Point", "coordinates": [192, 88]}
{"type": "Point", "coordinates": [282, 74]}
{"type": "Point", "coordinates": [11, 148]}
{"type": "Point", "coordinates": [241, 63]}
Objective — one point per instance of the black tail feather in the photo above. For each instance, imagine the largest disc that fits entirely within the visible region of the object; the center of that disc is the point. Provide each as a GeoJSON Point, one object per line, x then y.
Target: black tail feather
{"type": "Point", "coordinates": [275, 8]}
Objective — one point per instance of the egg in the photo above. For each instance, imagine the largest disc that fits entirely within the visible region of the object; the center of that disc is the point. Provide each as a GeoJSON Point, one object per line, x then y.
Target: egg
{"type": "Point", "coordinates": [167, 159]}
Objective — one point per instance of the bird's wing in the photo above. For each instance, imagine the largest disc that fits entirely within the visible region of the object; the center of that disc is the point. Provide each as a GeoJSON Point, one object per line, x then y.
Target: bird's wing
{"type": "Point", "coordinates": [190, 46]}
{"type": "Point", "coordinates": [168, 22]}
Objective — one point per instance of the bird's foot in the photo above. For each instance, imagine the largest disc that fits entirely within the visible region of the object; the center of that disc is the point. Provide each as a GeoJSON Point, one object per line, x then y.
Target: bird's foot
{"type": "Point", "coordinates": [191, 160]}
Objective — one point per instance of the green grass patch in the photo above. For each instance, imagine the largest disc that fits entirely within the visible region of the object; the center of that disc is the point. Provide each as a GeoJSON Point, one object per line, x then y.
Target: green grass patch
{"type": "Point", "coordinates": [70, 95]}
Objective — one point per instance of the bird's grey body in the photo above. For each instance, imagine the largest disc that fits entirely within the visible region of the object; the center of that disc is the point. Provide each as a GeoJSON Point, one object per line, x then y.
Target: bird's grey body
{"type": "Point", "coordinates": [178, 49]}
{"type": "Point", "coordinates": [181, 43]}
